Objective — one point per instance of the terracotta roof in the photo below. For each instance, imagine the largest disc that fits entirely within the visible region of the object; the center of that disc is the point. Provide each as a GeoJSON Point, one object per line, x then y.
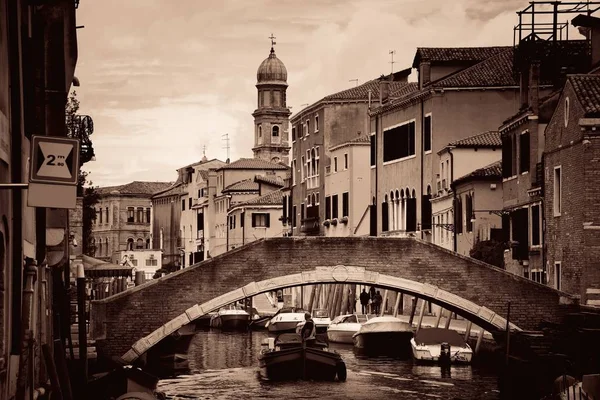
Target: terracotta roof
{"type": "Point", "coordinates": [360, 140]}
{"type": "Point", "coordinates": [486, 139]}
{"type": "Point", "coordinates": [361, 92]}
{"type": "Point", "coordinates": [174, 190]}
{"type": "Point", "coordinates": [272, 198]}
{"type": "Point", "coordinates": [492, 171]}
{"type": "Point", "coordinates": [253, 163]}
{"type": "Point", "coordinates": [135, 187]}
{"type": "Point", "coordinates": [491, 72]}
{"type": "Point", "coordinates": [587, 90]}
{"type": "Point", "coordinates": [247, 185]}
{"type": "Point", "coordinates": [449, 54]}
{"type": "Point", "coordinates": [273, 181]}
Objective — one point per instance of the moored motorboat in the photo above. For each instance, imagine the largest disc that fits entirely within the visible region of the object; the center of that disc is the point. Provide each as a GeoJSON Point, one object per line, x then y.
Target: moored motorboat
{"type": "Point", "coordinates": [289, 357]}
{"type": "Point", "coordinates": [286, 320]}
{"type": "Point", "coordinates": [343, 327]}
{"type": "Point", "coordinates": [321, 319]}
{"type": "Point", "coordinates": [440, 345]}
{"type": "Point", "coordinates": [387, 334]}
{"type": "Point", "coordinates": [232, 318]}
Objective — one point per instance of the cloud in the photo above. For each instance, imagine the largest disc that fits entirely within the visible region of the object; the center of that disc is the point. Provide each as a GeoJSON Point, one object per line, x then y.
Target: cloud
{"type": "Point", "coordinates": [163, 79]}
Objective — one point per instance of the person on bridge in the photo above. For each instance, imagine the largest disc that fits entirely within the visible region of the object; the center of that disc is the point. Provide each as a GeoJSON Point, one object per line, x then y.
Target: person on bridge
{"type": "Point", "coordinates": [364, 300]}
{"type": "Point", "coordinates": [377, 300]}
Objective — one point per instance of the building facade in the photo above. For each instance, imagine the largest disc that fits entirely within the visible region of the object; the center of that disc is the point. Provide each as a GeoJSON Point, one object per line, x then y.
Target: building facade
{"type": "Point", "coordinates": [123, 216]}
{"type": "Point", "coordinates": [146, 260]}
{"type": "Point", "coordinates": [461, 92]}
{"type": "Point", "coordinates": [38, 55]}
{"type": "Point", "coordinates": [166, 218]}
{"type": "Point", "coordinates": [193, 187]}
{"type": "Point", "coordinates": [571, 180]}
{"type": "Point", "coordinates": [254, 219]}
{"type": "Point", "coordinates": [332, 121]}
{"type": "Point", "coordinates": [458, 159]}
{"type": "Point", "coordinates": [271, 118]}
{"type": "Point", "coordinates": [346, 201]}
{"type": "Point", "coordinates": [237, 182]}
{"type": "Point", "coordinates": [477, 206]}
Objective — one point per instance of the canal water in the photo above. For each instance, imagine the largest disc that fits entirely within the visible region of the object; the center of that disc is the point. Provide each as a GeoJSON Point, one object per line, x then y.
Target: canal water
{"type": "Point", "coordinates": [224, 365]}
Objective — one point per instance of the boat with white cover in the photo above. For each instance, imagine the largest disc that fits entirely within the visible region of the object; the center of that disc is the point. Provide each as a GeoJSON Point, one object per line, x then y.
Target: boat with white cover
{"type": "Point", "coordinates": [387, 333]}
{"type": "Point", "coordinates": [286, 320]}
{"type": "Point", "coordinates": [440, 344]}
{"type": "Point", "coordinates": [343, 327]}
{"type": "Point", "coordinates": [230, 318]}
{"type": "Point", "coordinates": [321, 319]}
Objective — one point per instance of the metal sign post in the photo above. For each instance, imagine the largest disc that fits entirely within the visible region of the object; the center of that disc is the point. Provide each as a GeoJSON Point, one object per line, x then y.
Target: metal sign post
{"type": "Point", "coordinates": [53, 171]}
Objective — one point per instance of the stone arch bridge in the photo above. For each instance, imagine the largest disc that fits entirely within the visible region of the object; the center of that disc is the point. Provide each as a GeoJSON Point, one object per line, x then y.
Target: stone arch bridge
{"type": "Point", "coordinates": [127, 324]}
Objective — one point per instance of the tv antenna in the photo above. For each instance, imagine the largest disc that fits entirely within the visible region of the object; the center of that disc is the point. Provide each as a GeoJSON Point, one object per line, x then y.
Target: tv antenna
{"type": "Point", "coordinates": [226, 139]}
{"type": "Point", "coordinates": [354, 80]}
{"type": "Point", "coordinates": [392, 52]}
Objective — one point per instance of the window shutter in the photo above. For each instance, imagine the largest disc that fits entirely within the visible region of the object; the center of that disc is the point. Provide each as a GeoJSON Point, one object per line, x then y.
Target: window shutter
{"type": "Point", "coordinates": [373, 217]}
{"type": "Point", "coordinates": [411, 215]}
{"type": "Point", "coordinates": [345, 205]}
{"type": "Point", "coordinates": [242, 218]}
{"type": "Point", "coordinates": [384, 217]}
{"type": "Point", "coordinates": [285, 203]}
{"type": "Point", "coordinates": [328, 207]}
{"type": "Point", "coordinates": [506, 157]}
{"type": "Point", "coordinates": [425, 212]}
{"type": "Point", "coordinates": [268, 220]}
{"type": "Point", "coordinates": [253, 220]}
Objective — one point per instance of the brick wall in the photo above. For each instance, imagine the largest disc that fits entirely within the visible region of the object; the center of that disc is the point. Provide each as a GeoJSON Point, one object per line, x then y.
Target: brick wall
{"type": "Point", "coordinates": [133, 314]}
{"type": "Point", "coordinates": [564, 234]}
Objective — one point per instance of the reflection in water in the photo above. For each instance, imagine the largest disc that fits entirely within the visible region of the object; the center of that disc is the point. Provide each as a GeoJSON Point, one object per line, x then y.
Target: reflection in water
{"type": "Point", "coordinates": [225, 366]}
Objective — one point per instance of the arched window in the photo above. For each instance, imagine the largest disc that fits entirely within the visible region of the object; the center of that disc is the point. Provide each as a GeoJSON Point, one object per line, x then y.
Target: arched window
{"type": "Point", "coordinates": [411, 211]}
{"type": "Point", "coordinates": [130, 244]}
{"type": "Point", "coordinates": [260, 131]}
{"type": "Point", "coordinates": [139, 244]}
{"type": "Point", "coordinates": [147, 243]}
{"type": "Point", "coordinates": [275, 130]}
{"type": "Point", "coordinates": [100, 248]}
{"type": "Point", "coordinates": [107, 250]}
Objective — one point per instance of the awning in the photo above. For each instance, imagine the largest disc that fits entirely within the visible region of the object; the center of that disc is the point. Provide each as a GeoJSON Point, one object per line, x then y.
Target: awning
{"type": "Point", "coordinates": [95, 268]}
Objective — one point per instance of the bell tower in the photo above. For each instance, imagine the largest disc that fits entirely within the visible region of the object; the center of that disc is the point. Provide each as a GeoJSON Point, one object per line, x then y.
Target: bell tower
{"type": "Point", "coordinates": [271, 118]}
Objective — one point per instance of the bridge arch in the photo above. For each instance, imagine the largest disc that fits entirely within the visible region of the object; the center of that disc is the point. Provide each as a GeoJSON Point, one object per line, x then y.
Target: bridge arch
{"type": "Point", "coordinates": [464, 285]}
{"type": "Point", "coordinates": [340, 274]}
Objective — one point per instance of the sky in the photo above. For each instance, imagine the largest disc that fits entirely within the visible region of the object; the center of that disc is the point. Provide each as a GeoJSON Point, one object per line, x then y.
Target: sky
{"type": "Point", "coordinates": [163, 78]}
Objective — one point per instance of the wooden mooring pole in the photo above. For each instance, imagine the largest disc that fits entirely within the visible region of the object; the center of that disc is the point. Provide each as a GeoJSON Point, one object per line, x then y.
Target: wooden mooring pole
{"type": "Point", "coordinates": [507, 333]}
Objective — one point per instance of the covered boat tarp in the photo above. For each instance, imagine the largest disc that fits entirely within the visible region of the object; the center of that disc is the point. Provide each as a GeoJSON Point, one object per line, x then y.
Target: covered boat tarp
{"type": "Point", "coordinates": [95, 268]}
{"type": "Point", "coordinates": [427, 336]}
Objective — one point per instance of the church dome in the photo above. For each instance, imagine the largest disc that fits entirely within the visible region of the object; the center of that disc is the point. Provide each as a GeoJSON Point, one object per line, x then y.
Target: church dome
{"type": "Point", "coordinates": [271, 69]}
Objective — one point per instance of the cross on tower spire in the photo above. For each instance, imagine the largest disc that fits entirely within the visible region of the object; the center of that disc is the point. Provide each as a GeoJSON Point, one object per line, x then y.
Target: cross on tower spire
{"type": "Point", "coordinates": [273, 43]}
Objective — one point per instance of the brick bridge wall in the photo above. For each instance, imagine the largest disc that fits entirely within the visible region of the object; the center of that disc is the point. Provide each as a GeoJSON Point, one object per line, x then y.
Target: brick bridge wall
{"type": "Point", "coordinates": [126, 317]}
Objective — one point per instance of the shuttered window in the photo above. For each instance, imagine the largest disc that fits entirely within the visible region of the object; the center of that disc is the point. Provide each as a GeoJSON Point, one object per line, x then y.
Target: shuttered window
{"type": "Point", "coordinates": [411, 215]}
{"type": "Point", "coordinates": [261, 220]}
{"type": "Point", "coordinates": [345, 205]}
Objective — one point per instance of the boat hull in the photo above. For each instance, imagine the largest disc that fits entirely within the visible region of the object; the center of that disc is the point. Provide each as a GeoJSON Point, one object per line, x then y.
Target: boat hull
{"type": "Point", "coordinates": [431, 353]}
{"type": "Point", "coordinates": [385, 342]}
{"type": "Point", "coordinates": [299, 363]}
{"type": "Point", "coordinates": [339, 336]}
{"type": "Point", "coordinates": [283, 326]}
{"type": "Point", "coordinates": [231, 322]}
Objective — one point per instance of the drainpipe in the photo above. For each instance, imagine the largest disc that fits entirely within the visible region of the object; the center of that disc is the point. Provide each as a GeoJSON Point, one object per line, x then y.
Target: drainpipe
{"type": "Point", "coordinates": [16, 160]}
{"type": "Point", "coordinates": [453, 195]}
{"type": "Point", "coordinates": [243, 218]}
{"type": "Point", "coordinates": [422, 162]}
{"type": "Point", "coordinates": [376, 171]}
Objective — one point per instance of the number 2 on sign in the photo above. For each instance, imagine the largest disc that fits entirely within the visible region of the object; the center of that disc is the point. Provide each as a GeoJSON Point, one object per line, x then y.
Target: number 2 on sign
{"type": "Point", "coordinates": [52, 158]}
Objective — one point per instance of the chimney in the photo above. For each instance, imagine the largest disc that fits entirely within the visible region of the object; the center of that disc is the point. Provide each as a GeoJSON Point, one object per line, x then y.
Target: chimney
{"type": "Point", "coordinates": [533, 95]}
{"type": "Point", "coordinates": [424, 73]}
{"type": "Point", "coordinates": [384, 90]}
{"type": "Point", "coordinates": [589, 27]}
